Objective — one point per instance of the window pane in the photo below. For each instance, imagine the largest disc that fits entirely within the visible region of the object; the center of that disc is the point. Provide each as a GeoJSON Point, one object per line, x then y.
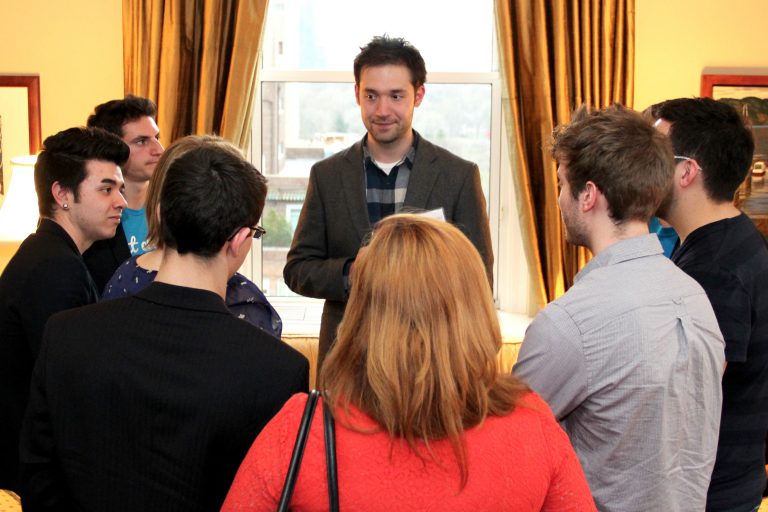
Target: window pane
{"type": "Point", "coordinates": [458, 118]}
{"type": "Point", "coordinates": [303, 123]}
{"type": "Point", "coordinates": [327, 34]}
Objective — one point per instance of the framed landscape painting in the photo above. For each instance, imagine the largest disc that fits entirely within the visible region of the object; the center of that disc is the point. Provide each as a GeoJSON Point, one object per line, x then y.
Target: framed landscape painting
{"type": "Point", "coordinates": [749, 95]}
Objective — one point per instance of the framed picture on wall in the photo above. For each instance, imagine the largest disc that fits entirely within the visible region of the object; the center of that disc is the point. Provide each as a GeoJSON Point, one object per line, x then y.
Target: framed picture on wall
{"type": "Point", "coordinates": [20, 132]}
{"type": "Point", "coordinates": [749, 95]}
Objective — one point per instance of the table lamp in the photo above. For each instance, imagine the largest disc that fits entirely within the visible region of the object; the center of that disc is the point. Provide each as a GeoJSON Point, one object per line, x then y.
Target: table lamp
{"type": "Point", "coordinates": [19, 213]}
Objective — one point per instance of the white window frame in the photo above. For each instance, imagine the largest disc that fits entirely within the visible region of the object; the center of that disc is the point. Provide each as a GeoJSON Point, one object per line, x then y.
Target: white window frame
{"type": "Point", "coordinates": [301, 315]}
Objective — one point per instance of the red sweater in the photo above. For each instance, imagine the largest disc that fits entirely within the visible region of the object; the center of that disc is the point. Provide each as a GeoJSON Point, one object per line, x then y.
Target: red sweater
{"type": "Point", "coordinates": [522, 461]}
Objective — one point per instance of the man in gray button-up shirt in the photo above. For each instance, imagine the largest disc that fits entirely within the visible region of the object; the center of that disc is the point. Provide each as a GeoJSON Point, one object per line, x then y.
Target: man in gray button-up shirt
{"type": "Point", "coordinates": [630, 358]}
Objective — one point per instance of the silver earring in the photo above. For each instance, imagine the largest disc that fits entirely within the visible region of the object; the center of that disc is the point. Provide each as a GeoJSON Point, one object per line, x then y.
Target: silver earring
{"type": "Point", "coordinates": [65, 206]}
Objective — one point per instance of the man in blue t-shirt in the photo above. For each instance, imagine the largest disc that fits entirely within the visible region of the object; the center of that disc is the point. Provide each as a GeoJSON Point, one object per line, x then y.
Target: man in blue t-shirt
{"type": "Point", "coordinates": [133, 120]}
{"type": "Point", "coordinates": [134, 224]}
{"type": "Point", "coordinates": [722, 249]}
{"type": "Point", "coordinates": [666, 233]}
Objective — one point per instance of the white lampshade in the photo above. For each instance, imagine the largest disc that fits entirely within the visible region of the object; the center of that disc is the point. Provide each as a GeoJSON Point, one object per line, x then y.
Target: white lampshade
{"type": "Point", "coordinates": [19, 213]}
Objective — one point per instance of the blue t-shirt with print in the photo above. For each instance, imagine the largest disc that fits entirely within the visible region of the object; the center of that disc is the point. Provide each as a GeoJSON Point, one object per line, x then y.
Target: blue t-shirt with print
{"type": "Point", "coordinates": [135, 227]}
{"type": "Point", "coordinates": [667, 236]}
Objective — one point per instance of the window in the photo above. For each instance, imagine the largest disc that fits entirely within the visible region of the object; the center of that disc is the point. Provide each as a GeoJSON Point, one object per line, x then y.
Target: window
{"type": "Point", "coordinates": [306, 108]}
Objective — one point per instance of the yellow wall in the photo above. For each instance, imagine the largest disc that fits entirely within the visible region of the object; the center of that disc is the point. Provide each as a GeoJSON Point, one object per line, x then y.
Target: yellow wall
{"type": "Point", "coordinates": [677, 39]}
{"type": "Point", "coordinates": [75, 46]}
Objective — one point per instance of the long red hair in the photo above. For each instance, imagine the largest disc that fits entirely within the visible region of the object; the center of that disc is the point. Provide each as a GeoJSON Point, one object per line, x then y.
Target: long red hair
{"type": "Point", "coordinates": [417, 348]}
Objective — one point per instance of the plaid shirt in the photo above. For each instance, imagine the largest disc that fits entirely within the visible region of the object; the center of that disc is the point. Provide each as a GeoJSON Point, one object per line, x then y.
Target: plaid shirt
{"type": "Point", "coordinates": [385, 194]}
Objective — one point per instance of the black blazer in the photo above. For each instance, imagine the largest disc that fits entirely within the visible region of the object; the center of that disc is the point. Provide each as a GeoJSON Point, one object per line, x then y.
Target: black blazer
{"type": "Point", "coordinates": [149, 403]}
{"type": "Point", "coordinates": [104, 256]}
{"type": "Point", "coordinates": [46, 275]}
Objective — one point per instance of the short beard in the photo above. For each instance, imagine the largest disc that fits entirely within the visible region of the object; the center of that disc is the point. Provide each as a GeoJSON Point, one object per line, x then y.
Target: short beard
{"type": "Point", "coordinates": [576, 233]}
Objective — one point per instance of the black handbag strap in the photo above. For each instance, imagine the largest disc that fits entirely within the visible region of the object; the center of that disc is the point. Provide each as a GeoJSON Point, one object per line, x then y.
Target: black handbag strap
{"type": "Point", "coordinates": [330, 458]}
{"type": "Point", "coordinates": [298, 453]}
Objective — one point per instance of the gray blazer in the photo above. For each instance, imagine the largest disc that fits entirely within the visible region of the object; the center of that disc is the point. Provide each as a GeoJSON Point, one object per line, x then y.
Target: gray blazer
{"type": "Point", "coordinates": [334, 220]}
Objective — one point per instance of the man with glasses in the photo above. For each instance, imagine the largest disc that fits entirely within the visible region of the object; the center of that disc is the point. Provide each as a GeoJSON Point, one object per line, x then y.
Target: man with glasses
{"type": "Point", "coordinates": [151, 402]}
{"type": "Point", "coordinates": [722, 249]}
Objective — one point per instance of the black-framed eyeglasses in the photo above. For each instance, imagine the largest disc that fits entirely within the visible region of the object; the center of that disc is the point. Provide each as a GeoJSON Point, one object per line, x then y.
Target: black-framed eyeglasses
{"type": "Point", "coordinates": [256, 232]}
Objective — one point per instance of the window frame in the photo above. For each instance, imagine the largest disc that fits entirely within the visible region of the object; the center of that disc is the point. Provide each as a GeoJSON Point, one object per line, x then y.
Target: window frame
{"type": "Point", "coordinates": [301, 315]}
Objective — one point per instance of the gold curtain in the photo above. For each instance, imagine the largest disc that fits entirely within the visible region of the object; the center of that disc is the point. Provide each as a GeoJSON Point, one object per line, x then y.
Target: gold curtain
{"type": "Point", "coordinates": [556, 55]}
{"type": "Point", "coordinates": [197, 59]}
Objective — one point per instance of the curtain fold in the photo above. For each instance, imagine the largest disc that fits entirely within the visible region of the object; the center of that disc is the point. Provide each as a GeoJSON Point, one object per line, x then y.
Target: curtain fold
{"type": "Point", "coordinates": [197, 60]}
{"type": "Point", "coordinates": [556, 55]}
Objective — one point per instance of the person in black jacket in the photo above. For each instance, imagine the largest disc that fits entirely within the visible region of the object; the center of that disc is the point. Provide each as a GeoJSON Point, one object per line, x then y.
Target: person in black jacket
{"type": "Point", "coordinates": [150, 402]}
{"type": "Point", "coordinates": [78, 183]}
{"type": "Point", "coordinates": [722, 249]}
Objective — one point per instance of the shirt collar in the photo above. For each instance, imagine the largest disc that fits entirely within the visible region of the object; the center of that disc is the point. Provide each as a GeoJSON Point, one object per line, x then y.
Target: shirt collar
{"type": "Point", "coordinates": [409, 157]}
{"type": "Point", "coordinates": [183, 297]}
{"type": "Point", "coordinates": [623, 250]}
{"type": "Point", "coordinates": [48, 225]}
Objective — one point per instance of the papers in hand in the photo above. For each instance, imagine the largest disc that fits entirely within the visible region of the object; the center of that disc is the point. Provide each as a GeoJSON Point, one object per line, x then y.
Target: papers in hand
{"type": "Point", "coordinates": [438, 214]}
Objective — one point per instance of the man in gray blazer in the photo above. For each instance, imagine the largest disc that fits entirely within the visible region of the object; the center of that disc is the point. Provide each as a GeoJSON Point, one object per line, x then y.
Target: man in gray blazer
{"type": "Point", "coordinates": [391, 169]}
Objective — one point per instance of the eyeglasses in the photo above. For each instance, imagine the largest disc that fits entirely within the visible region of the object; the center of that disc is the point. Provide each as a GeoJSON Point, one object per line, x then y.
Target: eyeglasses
{"type": "Point", "coordinates": [687, 158]}
{"type": "Point", "coordinates": [256, 232]}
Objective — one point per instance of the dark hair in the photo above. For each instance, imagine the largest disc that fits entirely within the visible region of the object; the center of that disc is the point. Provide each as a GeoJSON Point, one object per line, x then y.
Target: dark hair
{"type": "Point", "coordinates": [383, 50]}
{"type": "Point", "coordinates": [209, 192]}
{"type": "Point", "coordinates": [716, 136]}
{"type": "Point", "coordinates": [63, 159]}
{"type": "Point", "coordinates": [112, 115]}
{"type": "Point", "coordinates": [627, 158]}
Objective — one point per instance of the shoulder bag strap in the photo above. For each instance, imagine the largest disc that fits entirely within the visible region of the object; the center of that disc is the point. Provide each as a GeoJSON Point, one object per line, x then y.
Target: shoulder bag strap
{"type": "Point", "coordinates": [330, 458]}
{"type": "Point", "coordinates": [298, 451]}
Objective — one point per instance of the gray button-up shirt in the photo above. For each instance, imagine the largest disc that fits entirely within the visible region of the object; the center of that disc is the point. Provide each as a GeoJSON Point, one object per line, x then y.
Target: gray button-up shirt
{"type": "Point", "coordinates": [630, 360]}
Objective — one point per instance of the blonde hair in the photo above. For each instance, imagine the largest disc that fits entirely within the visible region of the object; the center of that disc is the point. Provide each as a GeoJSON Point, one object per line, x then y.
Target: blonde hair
{"type": "Point", "coordinates": [417, 348]}
{"type": "Point", "coordinates": [173, 152]}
